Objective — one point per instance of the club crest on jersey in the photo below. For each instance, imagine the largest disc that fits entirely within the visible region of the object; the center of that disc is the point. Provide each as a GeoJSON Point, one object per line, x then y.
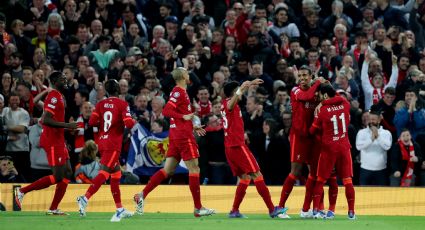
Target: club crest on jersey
{"type": "Point", "coordinates": [176, 94]}
{"type": "Point", "coordinates": [54, 100]}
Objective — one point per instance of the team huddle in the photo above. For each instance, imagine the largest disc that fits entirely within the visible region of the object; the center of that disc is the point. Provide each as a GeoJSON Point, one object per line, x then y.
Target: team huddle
{"type": "Point", "coordinates": [318, 138]}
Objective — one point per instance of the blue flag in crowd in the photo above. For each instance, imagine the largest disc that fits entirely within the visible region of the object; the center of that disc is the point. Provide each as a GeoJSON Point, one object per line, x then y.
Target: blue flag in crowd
{"type": "Point", "coordinates": [147, 152]}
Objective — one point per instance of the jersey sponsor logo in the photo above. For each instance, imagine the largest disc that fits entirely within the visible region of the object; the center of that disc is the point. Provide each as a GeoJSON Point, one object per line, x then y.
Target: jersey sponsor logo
{"type": "Point", "coordinates": [51, 106]}
{"type": "Point", "coordinates": [54, 100]}
{"type": "Point", "coordinates": [173, 99]}
{"type": "Point", "coordinates": [176, 94]}
{"type": "Point", "coordinates": [173, 126]}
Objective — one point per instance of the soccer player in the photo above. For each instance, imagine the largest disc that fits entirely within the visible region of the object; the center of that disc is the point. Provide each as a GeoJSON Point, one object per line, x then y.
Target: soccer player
{"type": "Point", "coordinates": [52, 140]}
{"type": "Point", "coordinates": [303, 103]}
{"type": "Point", "coordinates": [111, 115]}
{"type": "Point", "coordinates": [332, 119]}
{"type": "Point", "coordinates": [182, 145]}
{"type": "Point", "coordinates": [240, 158]}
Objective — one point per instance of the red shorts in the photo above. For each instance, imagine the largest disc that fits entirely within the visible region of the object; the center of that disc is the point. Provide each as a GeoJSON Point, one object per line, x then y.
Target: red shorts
{"type": "Point", "coordinates": [241, 160]}
{"type": "Point", "coordinates": [56, 155]}
{"type": "Point", "coordinates": [109, 158]}
{"type": "Point", "coordinates": [186, 149]}
{"type": "Point", "coordinates": [340, 161]}
{"type": "Point", "coordinates": [301, 148]}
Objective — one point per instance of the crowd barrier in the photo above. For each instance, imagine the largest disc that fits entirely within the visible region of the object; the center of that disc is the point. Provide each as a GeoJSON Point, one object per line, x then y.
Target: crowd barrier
{"type": "Point", "coordinates": [177, 199]}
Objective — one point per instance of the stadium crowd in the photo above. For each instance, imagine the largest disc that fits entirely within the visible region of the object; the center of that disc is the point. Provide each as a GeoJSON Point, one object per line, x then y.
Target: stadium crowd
{"type": "Point", "coordinates": [372, 51]}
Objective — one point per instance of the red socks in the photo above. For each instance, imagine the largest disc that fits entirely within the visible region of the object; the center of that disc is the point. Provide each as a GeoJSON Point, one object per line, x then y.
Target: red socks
{"type": "Point", "coordinates": [155, 180]}
{"type": "Point", "coordinates": [240, 193]}
{"type": "Point", "coordinates": [287, 188]}
{"type": "Point", "coordinates": [333, 193]}
{"type": "Point", "coordinates": [309, 186]}
{"type": "Point", "coordinates": [59, 193]}
{"type": "Point", "coordinates": [349, 193]}
{"type": "Point", "coordinates": [97, 182]}
{"type": "Point", "coordinates": [264, 192]}
{"type": "Point", "coordinates": [115, 188]}
{"type": "Point", "coordinates": [317, 194]}
{"type": "Point", "coordinates": [41, 183]}
{"type": "Point", "coordinates": [195, 189]}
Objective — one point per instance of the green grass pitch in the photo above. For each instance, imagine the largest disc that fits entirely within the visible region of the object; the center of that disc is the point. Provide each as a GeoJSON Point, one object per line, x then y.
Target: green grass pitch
{"type": "Point", "coordinates": [157, 221]}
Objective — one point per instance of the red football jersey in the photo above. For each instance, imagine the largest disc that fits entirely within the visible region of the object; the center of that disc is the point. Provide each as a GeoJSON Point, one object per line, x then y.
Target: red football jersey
{"type": "Point", "coordinates": [176, 107]}
{"type": "Point", "coordinates": [110, 115]}
{"type": "Point", "coordinates": [303, 103]}
{"type": "Point", "coordinates": [206, 108]}
{"type": "Point", "coordinates": [54, 104]}
{"type": "Point", "coordinates": [233, 125]}
{"type": "Point", "coordinates": [333, 120]}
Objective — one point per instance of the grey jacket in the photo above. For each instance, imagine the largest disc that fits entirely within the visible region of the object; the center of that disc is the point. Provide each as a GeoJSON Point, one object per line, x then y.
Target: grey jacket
{"type": "Point", "coordinates": [38, 156]}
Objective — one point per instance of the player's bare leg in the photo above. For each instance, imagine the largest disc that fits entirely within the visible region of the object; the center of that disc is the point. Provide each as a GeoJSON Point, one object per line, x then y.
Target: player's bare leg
{"type": "Point", "coordinates": [168, 170]}
{"type": "Point", "coordinates": [296, 170]}
{"type": "Point", "coordinates": [194, 185]}
{"type": "Point", "coordinates": [243, 184]}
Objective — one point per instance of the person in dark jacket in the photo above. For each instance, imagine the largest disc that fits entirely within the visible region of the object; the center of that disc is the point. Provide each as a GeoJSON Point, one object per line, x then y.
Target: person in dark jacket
{"type": "Point", "coordinates": [406, 158]}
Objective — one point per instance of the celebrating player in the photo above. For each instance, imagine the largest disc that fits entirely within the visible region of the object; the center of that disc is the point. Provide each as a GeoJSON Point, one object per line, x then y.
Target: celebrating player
{"type": "Point", "coordinates": [333, 118]}
{"type": "Point", "coordinates": [111, 115]}
{"type": "Point", "coordinates": [52, 140]}
{"type": "Point", "coordinates": [182, 145]}
{"type": "Point", "coordinates": [240, 158]}
{"type": "Point", "coordinates": [303, 103]}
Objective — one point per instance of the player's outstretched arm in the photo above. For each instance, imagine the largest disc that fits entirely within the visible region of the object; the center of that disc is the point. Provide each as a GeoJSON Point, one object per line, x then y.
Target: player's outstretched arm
{"type": "Point", "coordinates": [309, 94]}
{"type": "Point", "coordinates": [49, 121]}
{"type": "Point", "coordinates": [241, 90]}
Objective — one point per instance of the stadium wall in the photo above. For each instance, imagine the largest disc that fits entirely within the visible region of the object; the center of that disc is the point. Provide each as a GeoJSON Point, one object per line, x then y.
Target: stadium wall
{"type": "Point", "coordinates": [177, 199]}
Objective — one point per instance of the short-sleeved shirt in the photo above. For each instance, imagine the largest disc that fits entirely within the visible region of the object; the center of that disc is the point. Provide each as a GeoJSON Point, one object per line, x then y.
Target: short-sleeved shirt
{"type": "Point", "coordinates": [18, 117]}
{"type": "Point", "coordinates": [180, 102]}
{"type": "Point", "coordinates": [110, 114]}
{"type": "Point", "coordinates": [233, 125]}
{"type": "Point", "coordinates": [54, 104]}
{"type": "Point", "coordinates": [333, 119]}
{"type": "Point", "coordinates": [303, 104]}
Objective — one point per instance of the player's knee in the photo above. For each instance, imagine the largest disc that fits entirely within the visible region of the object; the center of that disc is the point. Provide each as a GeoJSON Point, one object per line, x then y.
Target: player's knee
{"type": "Point", "coordinates": [169, 172]}
{"type": "Point", "coordinates": [194, 169]}
{"type": "Point", "coordinates": [347, 181]}
{"type": "Point", "coordinates": [58, 177]}
{"type": "Point", "coordinates": [245, 177]}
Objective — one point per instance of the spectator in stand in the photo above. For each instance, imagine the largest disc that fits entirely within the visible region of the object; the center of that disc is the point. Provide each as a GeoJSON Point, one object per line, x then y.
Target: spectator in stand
{"type": "Point", "coordinates": [39, 165]}
{"type": "Point", "coordinates": [8, 172]}
{"type": "Point", "coordinates": [389, 14]}
{"type": "Point", "coordinates": [6, 86]}
{"type": "Point", "coordinates": [406, 159]}
{"type": "Point", "coordinates": [387, 106]}
{"type": "Point", "coordinates": [124, 95]}
{"type": "Point", "coordinates": [345, 81]}
{"type": "Point", "coordinates": [374, 89]}
{"type": "Point", "coordinates": [373, 142]}
{"type": "Point", "coordinates": [213, 145]}
{"type": "Point", "coordinates": [205, 106]}
{"type": "Point", "coordinates": [274, 154]}
{"type": "Point", "coordinates": [281, 103]}
{"type": "Point", "coordinates": [89, 165]}
{"type": "Point", "coordinates": [49, 45]}
{"type": "Point", "coordinates": [410, 114]}
{"type": "Point", "coordinates": [283, 24]}
{"type": "Point", "coordinates": [15, 65]}
{"type": "Point", "coordinates": [16, 121]}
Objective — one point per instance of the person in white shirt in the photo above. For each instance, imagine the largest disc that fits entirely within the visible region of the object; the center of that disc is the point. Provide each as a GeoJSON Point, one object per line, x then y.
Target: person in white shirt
{"type": "Point", "coordinates": [373, 143]}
